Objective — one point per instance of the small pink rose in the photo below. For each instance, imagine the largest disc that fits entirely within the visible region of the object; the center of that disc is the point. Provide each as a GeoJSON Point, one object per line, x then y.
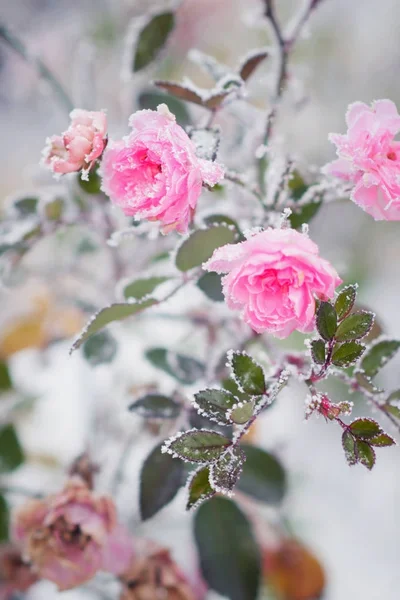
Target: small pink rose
{"type": "Point", "coordinates": [154, 173]}
{"type": "Point", "coordinates": [80, 146]}
{"type": "Point", "coordinates": [71, 535]}
{"type": "Point", "coordinates": [273, 278]}
{"type": "Point", "coordinates": [369, 158]}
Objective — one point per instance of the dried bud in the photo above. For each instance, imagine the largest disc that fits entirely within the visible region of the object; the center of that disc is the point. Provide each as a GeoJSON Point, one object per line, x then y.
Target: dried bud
{"type": "Point", "coordinates": [84, 468]}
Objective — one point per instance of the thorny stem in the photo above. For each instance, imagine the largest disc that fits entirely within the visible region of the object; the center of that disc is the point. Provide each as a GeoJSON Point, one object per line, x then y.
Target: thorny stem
{"type": "Point", "coordinates": [284, 46]}
{"type": "Point", "coordinates": [15, 43]}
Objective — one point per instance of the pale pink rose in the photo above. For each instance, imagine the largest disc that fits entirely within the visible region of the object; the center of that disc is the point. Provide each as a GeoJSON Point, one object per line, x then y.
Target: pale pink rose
{"type": "Point", "coordinates": [80, 146]}
{"type": "Point", "coordinates": [369, 158]}
{"type": "Point", "coordinates": [69, 536]}
{"type": "Point", "coordinates": [153, 574]}
{"type": "Point", "coordinates": [154, 173]}
{"type": "Point", "coordinates": [273, 278]}
{"type": "Point", "coordinates": [15, 573]}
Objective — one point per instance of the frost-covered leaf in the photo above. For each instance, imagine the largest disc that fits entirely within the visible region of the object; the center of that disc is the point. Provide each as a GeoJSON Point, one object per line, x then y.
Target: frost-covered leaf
{"type": "Point", "coordinates": [247, 373]}
{"type": "Point", "coordinates": [211, 285]}
{"type": "Point", "coordinates": [297, 186]}
{"type": "Point", "coordinates": [214, 403]}
{"type": "Point", "coordinates": [100, 348]}
{"type": "Point", "coordinates": [365, 428]}
{"type": "Point", "coordinates": [11, 453]}
{"type": "Point", "coordinates": [347, 353]}
{"type": "Point", "coordinates": [5, 379]}
{"type": "Point", "coordinates": [91, 185]}
{"type": "Point", "coordinates": [263, 476]}
{"type": "Point", "coordinates": [25, 206]}
{"type": "Point", "coordinates": [349, 447]}
{"type": "Point", "coordinates": [15, 234]}
{"type": "Point", "coordinates": [161, 477]}
{"type": "Point", "coordinates": [365, 454]}
{"type": "Point", "coordinates": [318, 351]}
{"type": "Point", "coordinates": [199, 488]}
{"type": "Point", "coordinates": [198, 446]}
{"type": "Point", "coordinates": [378, 354]}
{"type": "Point", "coordinates": [251, 61]}
{"type": "Point", "coordinates": [215, 100]}
{"type": "Point", "coordinates": [393, 410]}
{"type": "Point", "coordinates": [109, 314]}
{"type": "Point", "coordinates": [156, 406]}
{"type": "Point", "coordinates": [355, 326]}
{"type": "Point", "coordinates": [200, 245]}
{"type": "Point", "coordinates": [242, 412]}
{"type": "Point", "coordinates": [139, 288]}
{"type": "Point", "coordinates": [206, 142]}
{"type": "Point", "coordinates": [225, 473]}
{"type": "Point", "coordinates": [185, 369]}
{"type": "Point", "coordinates": [304, 213]}
{"type": "Point", "coordinates": [54, 209]}
{"type": "Point", "coordinates": [366, 382]}
{"type": "Point", "coordinates": [152, 39]}
{"type": "Point", "coordinates": [345, 301]}
{"type": "Point", "coordinates": [180, 91]}
{"type": "Point", "coordinates": [4, 519]}
{"type": "Point", "coordinates": [381, 440]}
{"type": "Point", "coordinates": [151, 99]}
{"type": "Point", "coordinates": [326, 320]}
{"type": "Point", "coordinates": [232, 386]}
{"type": "Point", "coordinates": [229, 554]}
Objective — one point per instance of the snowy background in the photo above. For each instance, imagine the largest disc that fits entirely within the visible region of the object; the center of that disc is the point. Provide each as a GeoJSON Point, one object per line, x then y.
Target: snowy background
{"type": "Point", "coordinates": [349, 52]}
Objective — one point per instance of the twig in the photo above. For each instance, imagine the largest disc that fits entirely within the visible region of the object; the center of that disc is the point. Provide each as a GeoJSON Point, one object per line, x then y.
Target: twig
{"type": "Point", "coordinates": [15, 43]}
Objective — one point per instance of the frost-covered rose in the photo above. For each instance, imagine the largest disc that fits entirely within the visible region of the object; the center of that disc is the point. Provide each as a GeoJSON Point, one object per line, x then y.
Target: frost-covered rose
{"type": "Point", "coordinates": [273, 278]}
{"type": "Point", "coordinates": [71, 535]}
{"type": "Point", "coordinates": [369, 157]}
{"type": "Point", "coordinates": [153, 574]}
{"type": "Point", "coordinates": [15, 574]}
{"type": "Point", "coordinates": [154, 173]}
{"type": "Point", "coordinates": [80, 146]}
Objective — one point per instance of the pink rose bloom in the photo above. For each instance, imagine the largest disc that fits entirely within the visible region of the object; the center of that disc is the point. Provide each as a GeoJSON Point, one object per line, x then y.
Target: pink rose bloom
{"type": "Point", "coordinates": [154, 173]}
{"type": "Point", "coordinates": [273, 278]}
{"type": "Point", "coordinates": [71, 535]}
{"type": "Point", "coordinates": [80, 146]}
{"type": "Point", "coordinates": [369, 158]}
{"type": "Point", "coordinates": [15, 573]}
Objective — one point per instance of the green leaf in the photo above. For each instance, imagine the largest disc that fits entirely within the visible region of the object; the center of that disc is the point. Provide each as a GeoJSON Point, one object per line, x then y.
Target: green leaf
{"type": "Point", "coordinates": [211, 285]}
{"type": "Point", "coordinates": [349, 447]}
{"type": "Point", "coordinates": [5, 379]}
{"type": "Point", "coordinates": [392, 410]}
{"type": "Point", "coordinates": [263, 476]}
{"type": "Point", "coordinates": [92, 185]}
{"type": "Point", "coordinates": [326, 320]}
{"type": "Point", "coordinates": [231, 386]}
{"type": "Point", "coordinates": [225, 473]}
{"type": "Point", "coordinates": [229, 554]}
{"type": "Point", "coordinates": [247, 373]}
{"type": "Point", "coordinates": [4, 519]}
{"type": "Point", "coordinates": [151, 99]}
{"type": "Point", "coordinates": [377, 355]}
{"type": "Point", "coordinates": [365, 454]}
{"type": "Point", "coordinates": [156, 406]}
{"type": "Point", "coordinates": [198, 446]}
{"type": "Point", "coordinates": [214, 404]}
{"type": "Point", "coordinates": [139, 288]}
{"type": "Point", "coordinates": [26, 206]}
{"type": "Point", "coordinates": [304, 213]}
{"type": "Point", "coordinates": [185, 369]}
{"type": "Point", "coordinates": [346, 354]}
{"type": "Point", "coordinates": [200, 245]}
{"type": "Point", "coordinates": [355, 327]}
{"type": "Point", "coordinates": [242, 412]}
{"type": "Point", "coordinates": [109, 314]}
{"type": "Point", "coordinates": [297, 186]}
{"type": "Point", "coordinates": [152, 39]}
{"type": "Point", "coordinates": [218, 219]}
{"type": "Point", "coordinates": [318, 351]}
{"type": "Point", "coordinates": [100, 348]}
{"type": "Point", "coordinates": [53, 209]}
{"type": "Point", "coordinates": [11, 453]}
{"type": "Point", "coordinates": [345, 301]}
{"type": "Point", "coordinates": [161, 477]}
{"type": "Point", "coordinates": [381, 440]}
{"type": "Point", "coordinates": [365, 428]}
{"type": "Point", "coordinates": [200, 489]}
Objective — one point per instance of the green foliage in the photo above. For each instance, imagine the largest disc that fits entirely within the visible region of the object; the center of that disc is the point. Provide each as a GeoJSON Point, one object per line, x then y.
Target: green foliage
{"type": "Point", "coordinates": [156, 406]}
{"type": "Point", "coordinates": [263, 476]}
{"type": "Point", "coordinates": [211, 285]}
{"type": "Point", "coordinates": [247, 373]}
{"type": "Point", "coordinates": [185, 369]}
{"type": "Point", "coordinates": [242, 412]}
{"type": "Point", "coordinates": [197, 446]}
{"type": "Point", "coordinates": [200, 245]}
{"type": "Point", "coordinates": [304, 213]}
{"type": "Point", "coordinates": [11, 453]}
{"type": "Point", "coordinates": [151, 99]}
{"type": "Point", "coordinates": [229, 555]}
{"type": "Point", "coordinates": [326, 321]}
{"type": "Point", "coordinates": [161, 478]}
{"type": "Point", "coordinates": [214, 404]}
{"type": "Point", "coordinates": [139, 288]}
{"type": "Point", "coordinates": [92, 185]}
{"type": "Point", "coordinates": [199, 488]}
{"type": "Point", "coordinates": [318, 351]}
{"type": "Point", "coordinates": [100, 349]}
{"type": "Point", "coordinates": [345, 301]}
{"type": "Point", "coordinates": [4, 519]}
{"type": "Point", "coordinates": [347, 353]}
{"type": "Point", "coordinates": [378, 355]}
{"type": "Point", "coordinates": [5, 379]}
{"type": "Point", "coordinates": [355, 326]}
{"type": "Point", "coordinates": [152, 39]}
